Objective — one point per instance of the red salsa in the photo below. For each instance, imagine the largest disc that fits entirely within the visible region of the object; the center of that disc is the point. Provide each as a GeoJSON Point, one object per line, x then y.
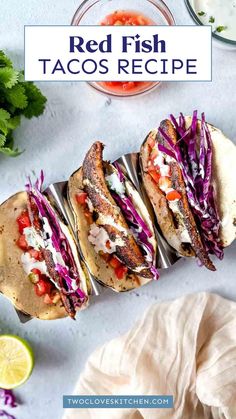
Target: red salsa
{"type": "Point", "coordinates": [126, 18]}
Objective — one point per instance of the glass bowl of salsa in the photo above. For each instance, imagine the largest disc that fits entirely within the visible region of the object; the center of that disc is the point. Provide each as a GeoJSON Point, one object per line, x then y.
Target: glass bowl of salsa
{"type": "Point", "coordinates": [115, 12]}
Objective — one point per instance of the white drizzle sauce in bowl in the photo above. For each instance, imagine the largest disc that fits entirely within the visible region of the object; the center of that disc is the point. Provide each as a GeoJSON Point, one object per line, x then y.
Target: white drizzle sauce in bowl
{"type": "Point", "coordinates": [220, 14]}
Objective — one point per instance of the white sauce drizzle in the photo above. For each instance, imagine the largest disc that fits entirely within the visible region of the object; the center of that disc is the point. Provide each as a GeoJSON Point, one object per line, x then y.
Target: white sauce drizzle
{"type": "Point", "coordinates": [163, 162]}
{"type": "Point", "coordinates": [30, 263]}
{"type": "Point", "coordinates": [99, 238]}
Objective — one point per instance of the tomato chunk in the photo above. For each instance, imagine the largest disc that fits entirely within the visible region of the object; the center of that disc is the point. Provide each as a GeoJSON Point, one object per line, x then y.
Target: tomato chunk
{"type": "Point", "coordinates": [155, 175]}
{"type": "Point", "coordinates": [129, 85]}
{"type": "Point", "coordinates": [114, 262]}
{"type": "Point", "coordinates": [108, 244]}
{"type": "Point", "coordinates": [125, 87]}
{"type": "Point", "coordinates": [23, 221]}
{"type": "Point", "coordinates": [81, 198]}
{"type": "Point", "coordinates": [35, 254]}
{"type": "Point", "coordinates": [113, 83]}
{"type": "Point", "coordinates": [121, 271]}
{"type": "Point", "coordinates": [42, 287]}
{"type": "Point", "coordinates": [22, 243]}
{"type": "Point", "coordinates": [126, 17]}
{"type": "Point", "coordinates": [173, 195]}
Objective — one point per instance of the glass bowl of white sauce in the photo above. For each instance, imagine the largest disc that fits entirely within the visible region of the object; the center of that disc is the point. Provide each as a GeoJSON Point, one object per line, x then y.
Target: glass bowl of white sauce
{"type": "Point", "coordinates": [221, 15]}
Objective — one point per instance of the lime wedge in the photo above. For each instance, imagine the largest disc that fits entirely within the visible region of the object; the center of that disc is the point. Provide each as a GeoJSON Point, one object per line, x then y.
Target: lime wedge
{"type": "Point", "coordinates": [16, 361]}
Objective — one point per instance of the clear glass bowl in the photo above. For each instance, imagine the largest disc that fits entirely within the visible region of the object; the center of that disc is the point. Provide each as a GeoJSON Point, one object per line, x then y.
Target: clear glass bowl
{"type": "Point", "coordinates": [219, 40]}
{"type": "Point", "coordinates": [92, 12]}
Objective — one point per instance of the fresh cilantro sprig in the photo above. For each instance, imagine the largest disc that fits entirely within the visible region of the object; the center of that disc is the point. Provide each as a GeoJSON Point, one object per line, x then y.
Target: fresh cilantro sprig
{"type": "Point", "coordinates": [17, 98]}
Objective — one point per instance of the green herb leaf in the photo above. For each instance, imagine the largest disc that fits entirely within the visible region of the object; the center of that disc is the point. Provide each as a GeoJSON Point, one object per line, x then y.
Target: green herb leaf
{"type": "Point", "coordinates": [36, 100]}
{"type": "Point", "coordinates": [4, 60]}
{"type": "Point", "coordinates": [221, 28]}
{"type": "Point", "coordinates": [211, 19]}
{"type": "Point", "coordinates": [3, 127]}
{"type": "Point", "coordinates": [8, 76]}
{"type": "Point", "coordinates": [10, 152]}
{"type": "Point", "coordinates": [9, 140]}
{"type": "Point", "coordinates": [17, 97]}
{"type": "Point", "coordinates": [21, 77]}
{"type": "Point", "coordinates": [14, 122]}
{"type": "Point", "coordinates": [4, 115]}
{"type": "Point", "coordinates": [2, 140]}
{"type": "Point", "coordinates": [201, 13]}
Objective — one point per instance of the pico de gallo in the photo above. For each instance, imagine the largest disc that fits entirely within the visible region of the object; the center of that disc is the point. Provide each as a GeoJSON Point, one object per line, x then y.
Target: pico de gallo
{"type": "Point", "coordinates": [126, 18]}
{"type": "Point", "coordinates": [160, 171]}
{"type": "Point", "coordinates": [43, 287]}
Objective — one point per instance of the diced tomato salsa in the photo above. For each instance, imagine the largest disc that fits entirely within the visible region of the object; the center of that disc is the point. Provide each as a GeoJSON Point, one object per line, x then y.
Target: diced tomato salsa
{"type": "Point", "coordinates": [23, 221]}
{"type": "Point", "coordinates": [160, 172]}
{"type": "Point", "coordinates": [125, 86]}
{"type": "Point", "coordinates": [42, 284]}
{"type": "Point", "coordinates": [126, 18]}
{"type": "Point", "coordinates": [120, 269]}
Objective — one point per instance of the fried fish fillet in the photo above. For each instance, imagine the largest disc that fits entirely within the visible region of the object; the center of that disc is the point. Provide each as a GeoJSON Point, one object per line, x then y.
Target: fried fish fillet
{"type": "Point", "coordinates": [109, 214]}
{"type": "Point", "coordinates": [166, 219]}
{"type": "Point", "coordinates": [66, 299]}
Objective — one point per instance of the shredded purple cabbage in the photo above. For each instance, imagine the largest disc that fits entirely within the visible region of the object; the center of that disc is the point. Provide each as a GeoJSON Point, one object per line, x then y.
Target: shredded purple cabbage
{"type": "Point", "coordinates": [64, 272]}
{"type": "Point", "coordinates": [137, 225]}
{"type": "Point", "coordinates": [8, 399]}
{"type": "Point", "coordinates": [6, 415]}
{"type": "Point", "coordinates": [137, 219]}
{"type": "Point", "coordinates": [120, 173]}
{"type": "Point", "coordinates": [154, 272]}
{"type": "Point", "coordinates": [195, 160]}
{"type": "Point", "coordinates": [166, 150]}
{"type": "Point", "coordinates": [58, 238]}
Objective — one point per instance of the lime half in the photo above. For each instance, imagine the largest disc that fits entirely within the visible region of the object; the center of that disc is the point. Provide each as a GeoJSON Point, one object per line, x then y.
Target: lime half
{"type": "Point", "coordinates": [16, 361]}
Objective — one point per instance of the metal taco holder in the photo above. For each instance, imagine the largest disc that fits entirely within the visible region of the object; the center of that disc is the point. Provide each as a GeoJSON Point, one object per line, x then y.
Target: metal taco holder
{"type": "Point", "coordinates": [166, 255]}
{"type": "Point", "coordinates": [57, 195]}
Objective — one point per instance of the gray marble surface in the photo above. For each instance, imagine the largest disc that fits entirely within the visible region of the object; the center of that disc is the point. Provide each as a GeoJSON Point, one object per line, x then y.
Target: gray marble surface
{"type": "Point", "coordinates": [74, 118]}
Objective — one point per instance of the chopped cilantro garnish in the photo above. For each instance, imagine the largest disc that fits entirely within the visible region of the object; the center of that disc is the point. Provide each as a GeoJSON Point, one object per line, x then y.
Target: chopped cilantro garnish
{"type": "Point", "coordinates": [201, 13]}
{"type": "Point", "coordinates": [211, 19]}
{"type": "Point", "coordinates": [17, 98]}
{"type": "Point", "coordinates": [221, 28]}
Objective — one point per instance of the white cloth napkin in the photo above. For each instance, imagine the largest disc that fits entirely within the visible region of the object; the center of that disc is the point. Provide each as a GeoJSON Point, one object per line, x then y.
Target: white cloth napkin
{"type": "Point", "coordinates": [185, 348]}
